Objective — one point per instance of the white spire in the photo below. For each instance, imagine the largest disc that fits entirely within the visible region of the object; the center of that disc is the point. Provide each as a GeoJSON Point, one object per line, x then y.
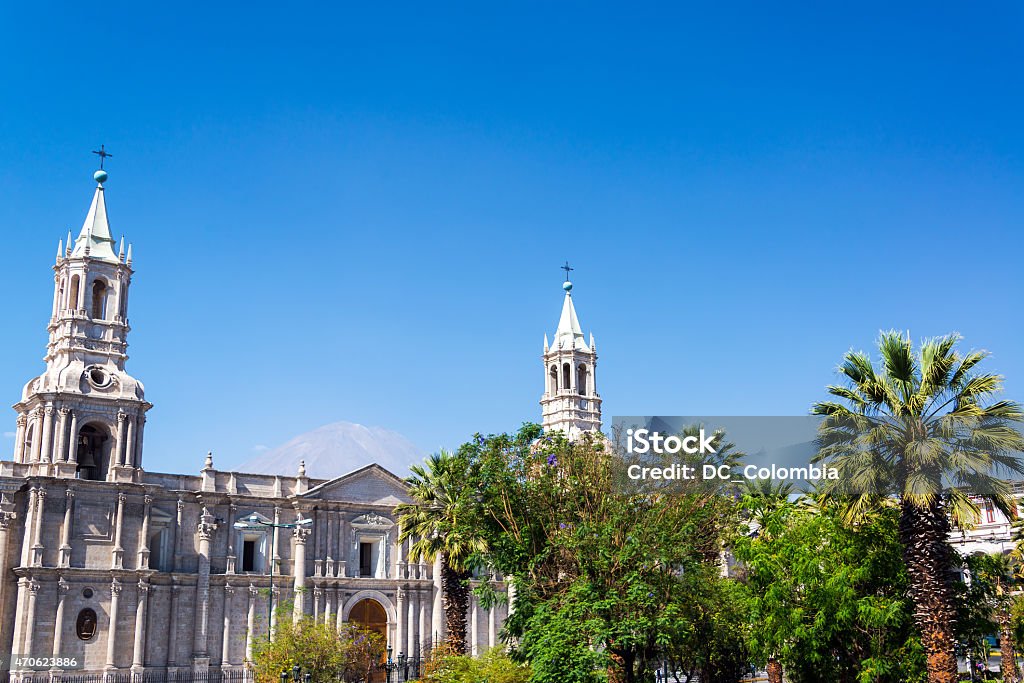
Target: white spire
{"type": "Point", "coordinates": [120, 250]}
{"type": "Point", "coordinates": [60, 250]}
{"type": "Point", "coordinates": [569, 334]}
{"type": "Point", "coordinates": [546, 342]}
{"type": "Point", "coordinates": [95, 240]}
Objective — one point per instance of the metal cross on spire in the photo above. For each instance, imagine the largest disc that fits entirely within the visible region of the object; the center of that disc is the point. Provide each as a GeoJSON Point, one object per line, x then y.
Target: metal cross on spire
{"type": "Point", "coordinates": [567, 268]}
{"type": "Point", "coordinates": [103, 154]}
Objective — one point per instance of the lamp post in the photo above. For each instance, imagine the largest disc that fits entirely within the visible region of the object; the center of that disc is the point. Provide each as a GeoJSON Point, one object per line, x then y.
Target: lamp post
{"type": "Point", "coordinates": [254, 522]}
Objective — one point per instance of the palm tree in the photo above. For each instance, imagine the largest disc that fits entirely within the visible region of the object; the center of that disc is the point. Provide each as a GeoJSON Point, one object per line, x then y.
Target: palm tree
{"type": "Point", "coordinates": [440, 521]}
{"type": "Point", "coordinates": [925, 429]}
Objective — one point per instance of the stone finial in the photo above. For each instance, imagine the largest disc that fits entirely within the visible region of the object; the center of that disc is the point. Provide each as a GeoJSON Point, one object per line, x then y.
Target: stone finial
{"type": "Point", "coordinates": [208, 465]}
{"type": "Point", "coordinates": [302, 468]}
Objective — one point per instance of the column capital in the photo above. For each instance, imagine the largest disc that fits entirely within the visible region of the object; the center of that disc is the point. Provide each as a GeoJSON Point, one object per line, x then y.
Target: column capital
{"type": "Point", "coordinates": [22, 420]}
{"type": "Point", "coordinates": [48, 410]}
{"type": "Point", "coordinates": [253, 591]}
{"type": "Point", "coordinates": [122, 497]}
{"type": "Point", "coordinates": [229, 589]}
{"type": "Point", "coordinates": [300, 534]}
{"type": "Point", "coordinates": [63, 586]}
{"type": "Point", "coordinates": [121, 416]}
{"type": "Point", "coordinates": [115, 587]}
{"type": "Point", "coordinates": [207, 525]}
{"type": "Point", "coordinates": [33, 586]}
{"type": "Point", "coordinates": [147, 500]}
{"type": "Point", "coordinates": [64, 410]}
{"type": "Point", "coordinates": [144, 587]}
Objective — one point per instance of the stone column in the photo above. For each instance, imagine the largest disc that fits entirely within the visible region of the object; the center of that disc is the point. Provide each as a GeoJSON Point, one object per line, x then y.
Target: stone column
{"type": "Point", "coordinates": [250, 622]}
{"type": "Point", "coordinates": [492, 627]}
{"type": "Point", "coordinates": [421, 623]}
{"type": "Point", "coordinates": [37, 519]}
{"type": "Point", "coordinates": [61, 452]}
{"type": "Point", "coordinates": [6, 517]}
{"type": "Point", "coordinates": [137, 460]}
{"type": "Point", "coordinates": [143, 559]}
{"type": "Point", "coordinates": [318, 595]}
{"type": "Point", "coordinates": [178, 534]}
{"type": "Point", "coordinates": [19, 439]}
{"type": "Point", "coordinates": [399, 621]}
{"type": "Point", "coordinates": [299, 571]}
{"type": "Point", "coordinates": [328, 605]}
{"type": "Point", "coordinates": [172, 634]}
{"type": "Point", "coordinates": [129, 449]}
{"type": "Point", "coordinates": [340, 616]}
{"type": "Point", "coordinates": [28, 532]}
{"type": "Point", "coordinates": [30, 616]}
{"type": "Point", "coordinates": [115, 596]}
{"type": "Point", "coordinates": [438, 625]}
{"type": "Point", "coordinates": [232, 509]}
{"type": "Point", "coordinates": [119, 458]}
{"type": "Point", "coordinates": [225, 644]}
{"type": "Point", "coordinates": [117, 554]}
{"type": "Point", "coordinates": [73, 436]}
{"type": "Point", "coordinates": [329, 551]}
{"type": "Point", "coordinates": [207, 525]}
{"type": "Point", "coordinates": [37, 431]}
{"type": "Point", "coordinates": [474, 625]}
{"type": "Point", "coordinates": [275, 554]}
{"type": "Point", "coordinates": [414, 598]}
{"type": "Point", "coordinates": [58, 620]}
{"type": "Point", "coordinates": [139, 648]}
{"type": "Point", "coordinates": [65, 531]}
{"type": "Point", "coordinates": [275, 599]}
{"type": "Point", "coordinates": [47, 435]}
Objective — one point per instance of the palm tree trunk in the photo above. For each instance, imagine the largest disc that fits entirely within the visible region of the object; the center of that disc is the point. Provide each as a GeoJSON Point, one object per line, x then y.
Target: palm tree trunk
{"type": "Point", "coordinates": [924, 531]}
{"type": "Point", "coordinates": [1011, 674]}
{"type": "Point", "coordinates": [455, 602]}
{"type": "Point", "coordinates": [774, 669]}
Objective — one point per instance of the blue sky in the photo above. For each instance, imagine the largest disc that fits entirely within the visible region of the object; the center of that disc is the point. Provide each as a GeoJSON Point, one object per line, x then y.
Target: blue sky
{"type": "Point", "coordinates": [353, 212]}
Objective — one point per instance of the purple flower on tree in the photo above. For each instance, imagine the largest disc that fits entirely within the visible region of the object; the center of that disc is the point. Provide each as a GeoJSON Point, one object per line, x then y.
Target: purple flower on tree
{"type": "Point", "coordinates": [552, 460]}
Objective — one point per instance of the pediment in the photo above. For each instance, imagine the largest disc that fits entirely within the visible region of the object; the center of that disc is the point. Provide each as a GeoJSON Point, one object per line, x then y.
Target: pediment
{"type": "Point", "coordinates": [371, 485]}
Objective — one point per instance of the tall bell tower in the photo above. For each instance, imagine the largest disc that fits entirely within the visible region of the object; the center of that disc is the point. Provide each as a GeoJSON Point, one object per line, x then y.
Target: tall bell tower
{"type": "Point", "coordinates": [570, 402]}
{"type": "Point", "coordinates": [84, 416]}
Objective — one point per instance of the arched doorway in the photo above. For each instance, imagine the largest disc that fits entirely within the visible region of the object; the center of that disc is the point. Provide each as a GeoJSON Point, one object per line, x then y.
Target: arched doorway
{"type": "Point", "coordinates": [370, 616]}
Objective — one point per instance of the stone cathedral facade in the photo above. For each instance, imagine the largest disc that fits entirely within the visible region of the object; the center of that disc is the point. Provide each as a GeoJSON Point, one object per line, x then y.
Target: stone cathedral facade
{"type": "Point", "coordinates": [134, 571]}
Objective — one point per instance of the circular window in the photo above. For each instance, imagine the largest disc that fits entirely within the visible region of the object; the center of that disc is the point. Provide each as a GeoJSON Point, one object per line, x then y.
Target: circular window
{"type": "Point", "coordinates": [86, 593]}
{"type": "Point", "coordinates": [98, 377]}
{"type": "Point", "coordinates": [85, 626]}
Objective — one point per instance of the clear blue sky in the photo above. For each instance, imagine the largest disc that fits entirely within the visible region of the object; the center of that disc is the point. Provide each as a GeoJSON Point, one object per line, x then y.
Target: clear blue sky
{"type": "Point", "coordinates": [341, 212]}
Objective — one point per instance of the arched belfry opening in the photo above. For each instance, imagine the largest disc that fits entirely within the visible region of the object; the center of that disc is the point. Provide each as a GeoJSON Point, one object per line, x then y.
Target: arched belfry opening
{"type": "Point", "coordinates": [566, 376]}
{"type": "Point", "coordinates": [73, 296]}
{"type": "Point", "coordinates": [99, 300]}
{"type": "Point", "coordinates": [93, 452]}
{"type": "Point", "coordinates": [553, 379]}
{"type": "Point", "coordinates": [581, 379]}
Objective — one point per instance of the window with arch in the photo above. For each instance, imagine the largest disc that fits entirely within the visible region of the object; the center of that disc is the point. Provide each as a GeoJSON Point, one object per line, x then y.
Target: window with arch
{"type": "Point", "coordinates": [566, 376]}
{"type": "Point", "coordinates": [73, 297]}
{"type": "Point", "coordinates": [553, 379]}
{"type": "Point", "coordinates": [99, 300]}
{"type": "Point", "coordinates": [581, 379]}
{"type": "Point", "coordinates": [92, 456]}
{"type": "Point", "coordinates": [29, 441]}
{"type": "Point", "coordinates": [60, 298]}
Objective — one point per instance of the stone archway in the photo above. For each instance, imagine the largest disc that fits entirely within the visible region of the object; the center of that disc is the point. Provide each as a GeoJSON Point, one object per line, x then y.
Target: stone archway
{"type": "Point", "coordinates": [368, 614]}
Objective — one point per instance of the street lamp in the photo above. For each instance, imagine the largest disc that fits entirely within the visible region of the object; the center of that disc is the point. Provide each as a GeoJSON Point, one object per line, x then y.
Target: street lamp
{"type": "Point", "coordinates": [254, 522]}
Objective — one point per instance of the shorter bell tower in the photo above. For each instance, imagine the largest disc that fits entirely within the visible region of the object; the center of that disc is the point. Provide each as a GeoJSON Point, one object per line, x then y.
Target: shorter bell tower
{"type": "Point", "coordinates": [570, 402]}
{"type": "Point", "coordinates": [84, 416]}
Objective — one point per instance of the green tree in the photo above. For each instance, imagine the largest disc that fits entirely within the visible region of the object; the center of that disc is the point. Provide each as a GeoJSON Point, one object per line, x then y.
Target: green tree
{"type": "Point", "coordinates": [828, 600]}
{"type": "Point", "coordinates": [440, 519]}
{"type": "Point", "coordinates": [328, 654]}
{"type": "Point", "coordinates": [988, 606]}
{"type": "Point", "coordinates": [925, 428]}
{"type": "Point", "coordinates": [603, 570]}
{"type": "Point", "coordinates": [493, 666]}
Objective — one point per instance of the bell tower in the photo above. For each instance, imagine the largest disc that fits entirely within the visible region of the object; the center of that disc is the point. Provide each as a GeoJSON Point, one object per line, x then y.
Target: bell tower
{"type": "Point", "coordinates": [84, 416]}
{"type": "Point", "coordinates": [570, 402]}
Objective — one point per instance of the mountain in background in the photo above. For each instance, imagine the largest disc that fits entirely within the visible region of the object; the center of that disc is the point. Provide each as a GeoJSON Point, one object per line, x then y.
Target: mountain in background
{"type": "Point", "coordinates": [336, 449]}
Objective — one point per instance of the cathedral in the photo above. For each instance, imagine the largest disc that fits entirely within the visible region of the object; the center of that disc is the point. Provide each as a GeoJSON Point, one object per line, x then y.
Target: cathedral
{"type": "Point", "coordinates": [129, 571]}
